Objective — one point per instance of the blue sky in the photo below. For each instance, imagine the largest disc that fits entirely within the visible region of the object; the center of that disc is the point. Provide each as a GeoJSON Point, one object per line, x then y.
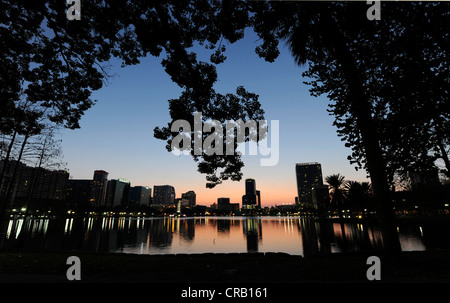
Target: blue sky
{"type": "Point", "coordinates": [116, 134]}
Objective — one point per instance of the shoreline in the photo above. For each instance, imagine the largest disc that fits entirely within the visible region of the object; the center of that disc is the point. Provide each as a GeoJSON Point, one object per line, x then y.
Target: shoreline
{"type": "Point", "coordinates": [42, 267]}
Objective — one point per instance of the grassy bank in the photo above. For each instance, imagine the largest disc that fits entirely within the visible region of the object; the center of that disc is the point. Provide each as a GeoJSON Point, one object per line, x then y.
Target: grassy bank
{"type": "Point", "coordinates": [431, 266]}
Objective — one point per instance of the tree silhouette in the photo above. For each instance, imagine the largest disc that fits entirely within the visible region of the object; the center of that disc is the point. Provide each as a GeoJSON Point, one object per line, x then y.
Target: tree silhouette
{"type": "Point", "coordinates": [337, 182]}
{"type": "Point", "coordinates": [53, 64]}
{"type": "Point", "coordinates": [334, 39]}
{"type": "Point", "coordinates": [358, 195]}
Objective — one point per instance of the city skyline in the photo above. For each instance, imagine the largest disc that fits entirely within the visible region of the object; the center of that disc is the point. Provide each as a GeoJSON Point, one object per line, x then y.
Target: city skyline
{"type": "Point", "coordinates": [136, 100]}
{"type": "Point", "coordinates": [153, 190]}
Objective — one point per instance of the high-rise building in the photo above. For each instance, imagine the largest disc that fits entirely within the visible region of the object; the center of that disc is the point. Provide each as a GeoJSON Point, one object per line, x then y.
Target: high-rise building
{"type": "Point", "coordinates": [80, 193]}
{"type": "Point", "coordinates": [189, 198]}
{"type": "Point", "coordinates": [309, 176]}
{"type": "Point", "coordinates": [50, 184]}
{"type": "Point", "coordinates": [100, 185]}
{"type": "Point", "coordinates": [223, 203]}
{"type": "Point", "coordinates": [140, 195]}
{"type": "Point", "coordinates": [33, 183]}
{"type": "Point", "coordinates": [250, 187]}
{"type": "Point", "coordinates": [249, 200]}
{"type": "Point", "coordinates": [163, 195]}
{"type": "Point", "coordinates": [118, 193]}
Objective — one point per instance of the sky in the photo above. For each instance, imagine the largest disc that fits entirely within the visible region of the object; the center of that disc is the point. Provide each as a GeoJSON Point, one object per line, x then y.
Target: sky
{"type": "Point", "coordinates": [116, 134]}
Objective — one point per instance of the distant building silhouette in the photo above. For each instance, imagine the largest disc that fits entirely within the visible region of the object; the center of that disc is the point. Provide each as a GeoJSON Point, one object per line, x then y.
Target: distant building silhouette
{"type": "Point", "coordinates": [80, 193]}
{"type": "Point", "coordinates": [163, 195]}
{"type": "Point", "coordinates": [49, 184]}
{"type": "Point", "coordinates": [189, 198]}
{"type": "Point", "coordinates": [140, 195]}
{"type": "Point", "coordinates": [118, 193]}
{"type": "Point", "coordinates": [250, 199]}
{"type": "Point", "coordinates": [34, 184]}
{"type": "Point", "coordinates": [309, 176]}
{"type": "Point", "coordinates": [100, 186]}
{"type": "Point", "coordinates": [223, 203]}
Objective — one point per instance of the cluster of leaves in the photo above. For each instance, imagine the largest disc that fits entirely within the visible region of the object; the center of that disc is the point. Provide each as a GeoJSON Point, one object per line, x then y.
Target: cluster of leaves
{"type": "Point", "coordinates": [53, 64]}
{"type": "Point", "coordinates": [229, 107]}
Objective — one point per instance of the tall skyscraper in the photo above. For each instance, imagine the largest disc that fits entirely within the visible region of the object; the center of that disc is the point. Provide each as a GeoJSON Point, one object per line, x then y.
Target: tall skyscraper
{"type": "Point", "coordinates": [249, 200]}
{"type": "Point", "coordinates": [163, 195]}
{"type": "Point", "coordinates": [250, 187]}
{"type": "Point", "coordinates": [309, 176]}
{"type": "Point", "coordinates": [100, 185]}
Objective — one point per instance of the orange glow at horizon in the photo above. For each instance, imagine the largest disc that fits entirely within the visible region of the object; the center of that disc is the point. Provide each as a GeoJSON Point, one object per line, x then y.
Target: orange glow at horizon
{"type": "Point", "coordinates": [271, 194]}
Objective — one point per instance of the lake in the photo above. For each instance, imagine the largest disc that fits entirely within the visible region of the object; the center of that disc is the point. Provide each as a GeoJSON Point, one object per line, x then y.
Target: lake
{"type": "Point", "coordinates": [188, 235]}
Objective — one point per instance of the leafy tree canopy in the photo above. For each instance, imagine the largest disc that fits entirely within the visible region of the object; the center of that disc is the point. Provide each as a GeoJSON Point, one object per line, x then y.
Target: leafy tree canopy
{"type": "Point", "coordinates": [51, 65]}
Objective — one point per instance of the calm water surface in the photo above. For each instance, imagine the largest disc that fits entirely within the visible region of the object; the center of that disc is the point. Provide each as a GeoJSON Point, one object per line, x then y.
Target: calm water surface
{"type": "Point", "coordinates": [296, 236]}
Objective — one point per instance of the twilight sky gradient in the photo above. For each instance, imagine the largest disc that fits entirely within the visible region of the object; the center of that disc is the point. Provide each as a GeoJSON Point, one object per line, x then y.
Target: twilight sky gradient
{"type": "Point", "coordinates": [116, 134]}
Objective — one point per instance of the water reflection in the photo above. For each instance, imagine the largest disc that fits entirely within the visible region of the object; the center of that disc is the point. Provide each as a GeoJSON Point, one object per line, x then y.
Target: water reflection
{"type": "Point", "coordinates": [304, 236]}
{"type": "Point", "coordinates": [253, 232]}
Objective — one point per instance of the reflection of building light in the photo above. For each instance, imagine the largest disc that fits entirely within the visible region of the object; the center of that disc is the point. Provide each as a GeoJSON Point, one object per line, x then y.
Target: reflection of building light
{"type": "Point", "coordinates": [90, 223]}
{"type": "Point", "coordinates": [8, 232]}
{"type": "Point", "coordinates": [68, 226]}
{"type": "Point", "coordinates": [19, 228]}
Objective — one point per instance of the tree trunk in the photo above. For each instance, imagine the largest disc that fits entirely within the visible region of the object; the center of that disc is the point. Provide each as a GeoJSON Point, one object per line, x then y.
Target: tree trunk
{"type": "Point", "coordinates": [36, 171]}
{"type": "Point", "coordinates": [444, 156]}
{"type": "Point", "coordinates": [361, 109]}
{"type": "Point", "coordinates": [5, 163]}
{"type": "Point", "coordinates": [9, 188]}
{"type": "Point", "coordinates": [3, 193]}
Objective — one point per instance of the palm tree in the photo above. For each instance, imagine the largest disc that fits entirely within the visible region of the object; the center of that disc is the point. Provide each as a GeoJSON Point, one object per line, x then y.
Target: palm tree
{"type": "Point", "coordinates": [359, 195]}
{"type": "Point", "coordinates": [337, 182]}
